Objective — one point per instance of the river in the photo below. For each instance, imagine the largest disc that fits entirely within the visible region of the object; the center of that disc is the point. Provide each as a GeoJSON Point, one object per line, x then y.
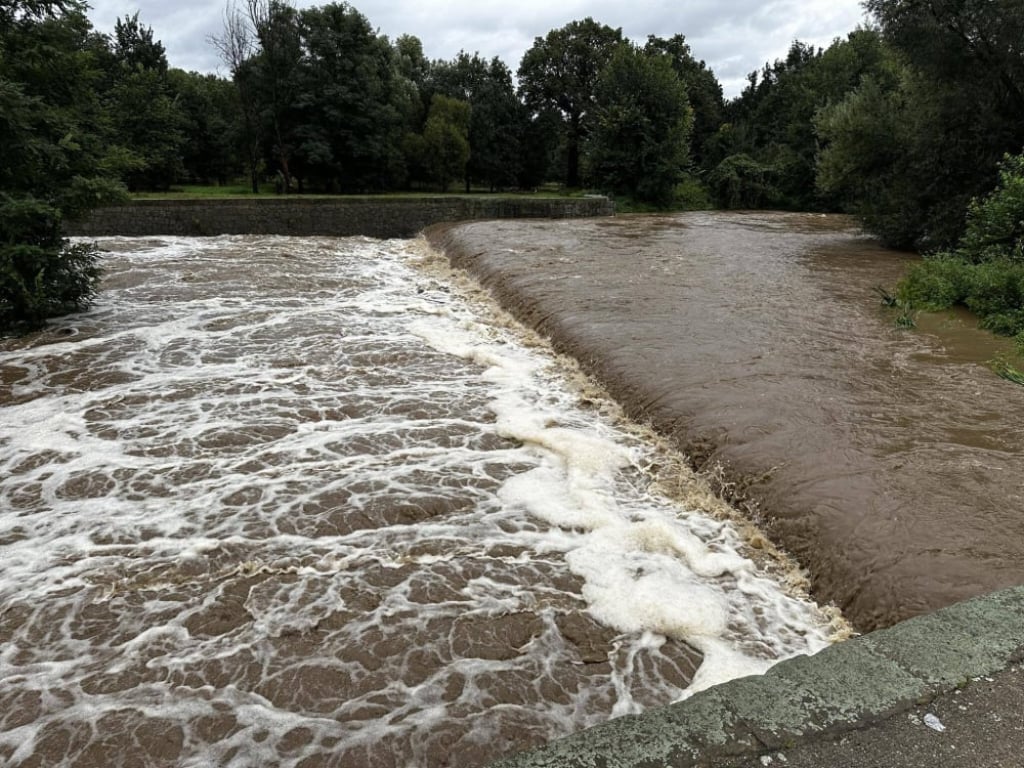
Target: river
{"type": "Point", "coordinates": [304, 502]}
{"type": "Point", "coordinates": [887, 461]}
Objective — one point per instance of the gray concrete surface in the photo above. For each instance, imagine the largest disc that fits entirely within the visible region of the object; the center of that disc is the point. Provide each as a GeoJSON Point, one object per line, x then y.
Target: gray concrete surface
{"type": "Point", "coordinates": [978, 726]}
{"type": "Point", "coordinates": [859, 703]}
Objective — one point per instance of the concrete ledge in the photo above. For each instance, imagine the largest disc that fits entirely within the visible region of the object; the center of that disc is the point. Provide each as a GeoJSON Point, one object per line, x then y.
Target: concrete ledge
{"type": "Point", "coordinates": [847, 686]}
{"type": "Point", "coordinates": [381, 217]}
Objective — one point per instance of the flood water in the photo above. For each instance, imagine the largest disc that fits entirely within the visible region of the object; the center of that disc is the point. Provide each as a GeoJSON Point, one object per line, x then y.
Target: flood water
{"type": "Point", "coordinates": [890, 463]}
{"type": "Point", "coordinates": [300, 502]}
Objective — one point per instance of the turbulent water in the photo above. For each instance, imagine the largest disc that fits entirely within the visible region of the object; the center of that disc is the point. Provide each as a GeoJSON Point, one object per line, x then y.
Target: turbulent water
{"type": "Point", "coordinates": [304, 502]}
{"type": "Point", "coordinates": [888, 462]}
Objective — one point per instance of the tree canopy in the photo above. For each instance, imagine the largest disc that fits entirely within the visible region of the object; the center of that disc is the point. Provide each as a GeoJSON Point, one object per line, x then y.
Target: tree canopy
{"type": "Point", "coordinates": [640, 140]}
{"type": "Point", "coordinates": [905, 122]}
{"type": "Point", "coordinates": [58, 158]}
{"type": "Point", "coordinates": [560, 72]}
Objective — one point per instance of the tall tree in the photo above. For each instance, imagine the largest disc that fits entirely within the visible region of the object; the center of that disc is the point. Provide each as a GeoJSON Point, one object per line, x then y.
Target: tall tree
{"type": "Point", "coordinates": [145, 117]}
{"type": "Point", "coordinates": [497, 117]}
{"type": "Point", "coordinates": [275, 72]}
{"type": "Point", "coordinates": [560, 72]}
{"type": "Point", "coordinates": [962, 89]}
{"type": "Point", "coordinates": [58, 159]}
{"type": "Point", "coordinates": [237, 45]}
{"type": "Point", "coordinates": [702, 89]}
{"type": "Point", "coordinates": [211, 125]}
{"type": "Point", "coordinates": [446, 139]}
{"type": "Point", "coordinates": [768, 147]}
{"type": "Point", "coordinates": [640, 140]}
{"type": "Point", "coordinates": [352, 103]}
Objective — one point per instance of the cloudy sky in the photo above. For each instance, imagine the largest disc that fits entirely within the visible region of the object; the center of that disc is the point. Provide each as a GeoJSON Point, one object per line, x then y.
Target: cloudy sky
{"type": "Point", "coordinates": [733, 36]}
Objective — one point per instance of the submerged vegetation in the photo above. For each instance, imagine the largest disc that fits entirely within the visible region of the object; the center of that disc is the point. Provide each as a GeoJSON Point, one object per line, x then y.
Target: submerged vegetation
{"type": "Point", "coordinates": [904, 123]}
{"type": "Point", "coordinates": [1004, 370]}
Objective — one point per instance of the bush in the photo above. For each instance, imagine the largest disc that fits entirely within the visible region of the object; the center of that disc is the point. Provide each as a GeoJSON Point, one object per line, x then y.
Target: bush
{"type": "Point", "coordinates": [691, 195]}
{"type": "Point", "coordinates": [985, 273]}
{"type": "Point", "coordinates": [995, 224]}
{"type": "Point", "coordinates": [935, 284]}
{"type": "Point", "coordinates": [41, 274]}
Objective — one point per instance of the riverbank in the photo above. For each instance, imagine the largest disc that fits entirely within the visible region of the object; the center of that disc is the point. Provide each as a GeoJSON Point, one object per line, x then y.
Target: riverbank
{"type": "Point", "coordinates": [886, 462]}
{"type": "Point", "coordinates": [379, 217]}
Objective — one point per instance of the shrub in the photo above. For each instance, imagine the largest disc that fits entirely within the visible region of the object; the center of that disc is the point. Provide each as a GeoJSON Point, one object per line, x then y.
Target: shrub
{"type": "Point", "coordinates": [692, 195]}
{"type": "Point", "coordinates": [41, 274]}
{"type": "Point", "coordinates": [985, 273]}
{"type": "Point", "coordinates": [935, 284]}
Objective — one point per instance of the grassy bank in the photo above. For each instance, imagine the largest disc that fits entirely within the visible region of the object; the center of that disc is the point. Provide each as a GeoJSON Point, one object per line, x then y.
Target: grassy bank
{"type": "Point", "coordinates": [985, 272]}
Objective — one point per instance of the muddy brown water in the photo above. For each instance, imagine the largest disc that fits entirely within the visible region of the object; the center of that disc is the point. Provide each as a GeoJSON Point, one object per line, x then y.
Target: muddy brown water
{"type": "Point", "coordinates": [303, 502]}
{"type": "Point", "coordinates": [890, 463]}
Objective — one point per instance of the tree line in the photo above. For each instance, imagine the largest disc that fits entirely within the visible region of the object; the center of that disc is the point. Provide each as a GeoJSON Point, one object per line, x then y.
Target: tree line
{"type": "Point", "coordinates": [904, 122]}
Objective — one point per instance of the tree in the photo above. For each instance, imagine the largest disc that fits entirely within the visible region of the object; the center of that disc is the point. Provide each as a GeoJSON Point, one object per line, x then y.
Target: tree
{"type": "Point", "coordinates": [275, 73]}
{"type": "Point", "coordinates": [58, 159]}
{"type": "Point", "coordinates": [211, 126]}
{"type": "Point", "coordinates": [237, 46]}
{"type": "Point", "coordinates": [352, 102]}
{"type": "Point", "coordinates": [640, 140]}
{"type": "Point", "coordinates": [446, 139]}
{"type": "Point", "coordinates": [871, 156]}
{"type": "Point", "coordinates": [560, 72]}
{"type": "Point", "coordinates": [769, 139]}
{"type": "Point", "coordinates": [497, 117]}
{"type": "Point", "coordinates": [962, 88]}
{"type": "Point", "coordinates": [146, 120]}
{"type": "Point", "coordinates": [702, 89]}
{"type": "Point", "coordinates": [985, 271]}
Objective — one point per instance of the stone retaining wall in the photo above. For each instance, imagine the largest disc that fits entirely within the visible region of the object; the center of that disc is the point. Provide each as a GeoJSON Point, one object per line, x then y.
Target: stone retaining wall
{"type": "Point", "coordinates": [381, 217]}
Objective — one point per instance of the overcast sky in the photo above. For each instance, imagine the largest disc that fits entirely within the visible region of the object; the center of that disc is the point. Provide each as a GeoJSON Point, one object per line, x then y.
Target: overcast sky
{"type": "Point", "coordinates": [733, 36]}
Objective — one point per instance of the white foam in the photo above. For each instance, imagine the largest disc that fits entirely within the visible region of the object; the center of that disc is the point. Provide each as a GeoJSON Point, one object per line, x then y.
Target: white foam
{"type": "Point", "coordinates": [179, 476]}
{"type": "Point", "coordinates": [645, 566]}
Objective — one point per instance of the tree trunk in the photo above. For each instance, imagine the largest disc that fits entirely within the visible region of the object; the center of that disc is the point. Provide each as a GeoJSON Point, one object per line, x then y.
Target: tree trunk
{"type": "Point", "coordinates": [572, 149]}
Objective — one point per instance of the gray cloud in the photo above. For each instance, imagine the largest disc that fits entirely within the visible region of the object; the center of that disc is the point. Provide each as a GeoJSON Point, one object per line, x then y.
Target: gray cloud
{"type": "Point", "coordinates": [734, 37]}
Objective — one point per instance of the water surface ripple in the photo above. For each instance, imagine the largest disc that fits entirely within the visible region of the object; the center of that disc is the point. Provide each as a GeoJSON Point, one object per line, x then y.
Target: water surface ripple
{"type": "Point", "coordinates": [298, 502]}
{"type": "Point", "coordinates": [888, 462]}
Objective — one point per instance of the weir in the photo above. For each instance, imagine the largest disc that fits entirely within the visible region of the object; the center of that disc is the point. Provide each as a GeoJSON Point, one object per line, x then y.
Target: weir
{"type": "Point", "coordinates": [221, 567]}
{"type": "Point", "coordinates": [887, 462]}
{"type": "Point", "coordinates": [329, 508]}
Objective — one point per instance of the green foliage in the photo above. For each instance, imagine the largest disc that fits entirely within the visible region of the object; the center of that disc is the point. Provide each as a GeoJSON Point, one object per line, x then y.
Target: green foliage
{"type": "Point", "coordinates": [446, 140]}
{"type": "Point", "coordinates": [740, 181]}
{"type": "Point", "coordinates": [936, 284]}
{"type": "Point", "coordinates": [41, 275]}
{"type": "Point", "coordinates": [57, 160]}
{"type": "Point", "coordinates": [559, 72]}
{"type": "Point", "coordinates": [992, 290]}
{"type": "Point", "coordinates": [862, 164]}
{"type": "Point", "coordinates": [995, 224]}
{"type": "Point", "coordinates": [917, 147]}
{"type": "Point", "coordinates": [1002, 368]}
{"type": "Point", "coordinates": [498, 120]}
{"type": "Point", "coordinates": [985, 272]}
{"type": "Point", "coordinates": [349, 106]}
{"type": "Point", "coordinates": [770, 141]}
{"type": "Point", "coordinates": [640, 140]}
{"type": "Point", "coordinates": [145, 118]}
{"type": "Point", "coordinates": [703, 92]}
{"type": "Point", "coordinates": [692, 195]}
{"type": "Point", "coordinates": [210, 124]}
